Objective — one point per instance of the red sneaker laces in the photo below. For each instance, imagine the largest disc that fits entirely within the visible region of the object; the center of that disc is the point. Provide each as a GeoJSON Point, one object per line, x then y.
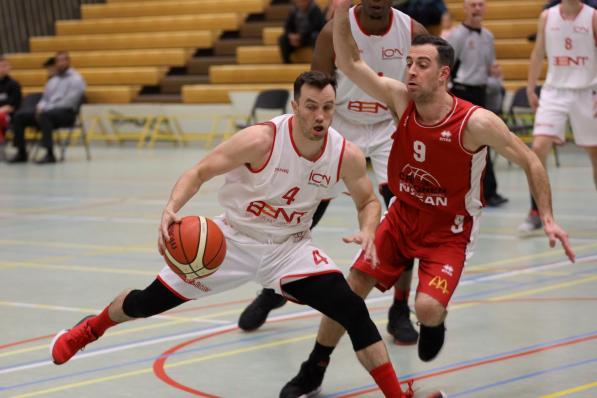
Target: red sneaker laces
{"type": "Point", "coordinates": [409, 393]}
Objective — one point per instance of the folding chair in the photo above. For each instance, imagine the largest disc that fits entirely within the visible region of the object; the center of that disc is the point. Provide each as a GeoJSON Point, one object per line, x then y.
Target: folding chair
{"type": "Point", "coordinates": [268, 99]}
{"type": "Point", "coordinates": [520, 118]}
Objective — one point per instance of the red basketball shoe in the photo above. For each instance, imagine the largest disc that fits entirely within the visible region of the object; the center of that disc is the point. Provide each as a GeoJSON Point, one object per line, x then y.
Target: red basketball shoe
{"type": "Point", "coordinates": [69, 341]}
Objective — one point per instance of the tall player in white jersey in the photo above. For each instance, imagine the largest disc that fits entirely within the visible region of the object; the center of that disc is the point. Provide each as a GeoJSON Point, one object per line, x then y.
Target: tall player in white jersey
{"type": "Point", "coordinates": [275, 175]}
{"type": "Point", "coordinates": [383, 35]}
{"type": "Point", "coordinates": [567, 34]}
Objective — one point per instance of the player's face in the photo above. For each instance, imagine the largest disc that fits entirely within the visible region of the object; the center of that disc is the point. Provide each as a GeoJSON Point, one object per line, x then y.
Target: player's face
{"type": "Point", "coordinates": [424, 74]}
{"type": "Point", "coordinates": [314, 110]}
{"type": "Point", "coordinates": [474, 10]}
{"type": "Point", "coordinates": [376, 9]}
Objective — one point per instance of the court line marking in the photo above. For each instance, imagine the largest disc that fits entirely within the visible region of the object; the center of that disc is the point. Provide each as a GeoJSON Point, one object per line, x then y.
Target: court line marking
{"type": "Point", "coordinates": [225, 354]}
{"type": "Point", "coordinates": [571, 390]}
{"type": "Point", "coordinates": [281, 317]}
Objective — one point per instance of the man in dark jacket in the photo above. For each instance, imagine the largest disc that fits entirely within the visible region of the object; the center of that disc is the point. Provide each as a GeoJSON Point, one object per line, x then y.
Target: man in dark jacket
{"type": "Point", "coordinates": [10, 96]}
{"type": "Point", "coordinates": [302, 26]}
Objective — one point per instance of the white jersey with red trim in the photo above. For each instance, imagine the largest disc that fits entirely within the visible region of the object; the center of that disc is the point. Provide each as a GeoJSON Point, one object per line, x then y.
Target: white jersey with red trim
{"type": "Point", "coordinates": [386, 55]}
{"type": "Point", "coordinates": [279, 199]}
{"type": "Point", "coordinates": [571, 47]}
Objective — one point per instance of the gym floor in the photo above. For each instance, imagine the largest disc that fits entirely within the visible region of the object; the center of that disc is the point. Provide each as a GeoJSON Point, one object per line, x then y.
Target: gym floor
{"type": "Point", "coordinates": [73, 235]}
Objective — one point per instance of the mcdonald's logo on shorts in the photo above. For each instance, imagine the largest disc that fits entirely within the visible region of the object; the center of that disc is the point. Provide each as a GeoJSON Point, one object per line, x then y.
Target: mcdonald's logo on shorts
{"type": "Point", "coordinates": [440, 284]}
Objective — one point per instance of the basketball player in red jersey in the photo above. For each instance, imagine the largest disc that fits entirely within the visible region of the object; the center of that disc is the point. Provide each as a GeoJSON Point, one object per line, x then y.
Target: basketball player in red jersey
{"type": "Point", "coordinates": [435, 170]}
{"type": "Point", "coordinates": [276, 173]}
{"type": "Point", "coordinates": [384, 34]}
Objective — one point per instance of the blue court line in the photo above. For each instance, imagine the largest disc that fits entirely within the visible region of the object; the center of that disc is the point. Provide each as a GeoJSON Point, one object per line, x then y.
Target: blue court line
{"type": "Point", "coordinates": [522, 377]}
{"type": "Point", "coordinates": [243, 341]}
{"type": "Point", "coordinates": [255, 338]}
{"type": "Point", "coordinates": [407, 376]}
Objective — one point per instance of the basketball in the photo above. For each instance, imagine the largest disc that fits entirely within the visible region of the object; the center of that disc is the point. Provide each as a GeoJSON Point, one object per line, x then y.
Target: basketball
{"type": "Point", "coordinates": [196, 247]}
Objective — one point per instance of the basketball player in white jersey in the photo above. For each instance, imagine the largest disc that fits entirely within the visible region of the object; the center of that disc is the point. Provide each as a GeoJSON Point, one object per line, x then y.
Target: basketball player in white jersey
{"type": "Point", "coordinates": [567, 34]}
{"type": "Point", "coordinates": [383, 34]}
{"type": "Point", "coordinates": [435, 168]}
{"type": "Point", "coordinates": [276, 173]}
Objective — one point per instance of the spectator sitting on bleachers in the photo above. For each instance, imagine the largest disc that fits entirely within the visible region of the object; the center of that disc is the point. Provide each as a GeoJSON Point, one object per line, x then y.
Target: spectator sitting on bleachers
{"type": "Point", "coordinates": [57, 108]}
{"type": "Point", "coordinates": [302, 26]}
{"type": "Point", "coordinates": [428, 12]}
{"type": "Point", "coordinates": [50, 66]}
{"type": "Point", "coordinates": [10, 96]}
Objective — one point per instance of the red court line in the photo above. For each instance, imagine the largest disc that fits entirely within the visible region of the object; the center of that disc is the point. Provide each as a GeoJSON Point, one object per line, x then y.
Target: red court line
{"type": "Point", "coordinates": [25, 341]}
{"type": "Point", "coordinates": [481, 363]}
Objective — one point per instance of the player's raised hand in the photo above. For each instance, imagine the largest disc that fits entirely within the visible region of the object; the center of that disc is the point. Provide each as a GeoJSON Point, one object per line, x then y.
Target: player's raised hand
{"type": "Point", "coordinates": [366, 240]}
{"type": "Point", "coordinates": [554, 233]}
{"type": "Point", "coordinates": [343, 5]}
{"type": "Point", "coordinates": [168, 217]}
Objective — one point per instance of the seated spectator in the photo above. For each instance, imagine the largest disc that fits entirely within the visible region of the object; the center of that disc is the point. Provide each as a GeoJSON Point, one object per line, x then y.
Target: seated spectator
{"type": "Point", "coordinates": [302, 26]}
{"type": "Point", "coordinates": [446, 25]}
{"type": "Point", "coordinates": [10, 96]}
{"type": "Point", "coordinates": [428, 13]}
{"type": "Point", "coordinates": [50, 66]}
{"type": "Point", "coordinates": [57, 108]}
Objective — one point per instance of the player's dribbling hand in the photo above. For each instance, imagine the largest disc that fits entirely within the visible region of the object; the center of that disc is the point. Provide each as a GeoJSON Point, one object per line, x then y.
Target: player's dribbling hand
{"type": "Point", "coordinates": [168, 217]}
{"type": "Point", "coordinates": [367, 245]}
{"type": "Point", "coordinates": [554, 233]}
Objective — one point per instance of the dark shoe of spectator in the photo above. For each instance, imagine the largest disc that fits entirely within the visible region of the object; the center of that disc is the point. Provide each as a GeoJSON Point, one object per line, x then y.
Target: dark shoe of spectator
{"type": "Point", "coordinates": [399, 324]}
{"type": "Point", "coordinates": [256, 313]}
{"type": "Point", "coordinates": [431, 341]}
{"type": "Point", "coordinates": [496, 200]}
{"type": "Point", "coordinates": [20, 157]}
{"type": "Point", "coordinates": [49, 158]}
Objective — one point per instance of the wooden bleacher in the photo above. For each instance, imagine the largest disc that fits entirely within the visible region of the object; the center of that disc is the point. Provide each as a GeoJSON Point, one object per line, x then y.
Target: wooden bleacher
{"type": "Point", "coordinates": [510, 22]}
{"type": "Point", "coordinates": [123, 45]}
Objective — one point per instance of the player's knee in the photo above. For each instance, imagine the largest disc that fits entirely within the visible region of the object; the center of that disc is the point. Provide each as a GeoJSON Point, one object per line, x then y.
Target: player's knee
{"type": "Point", "coordinates": [351, 312]}
{"type": "Point", "coordinates": [360, 283]}
{"type": "Point", "coordinates": [430, 312]}
{"type": "Point", "coordinates": [152, 300]}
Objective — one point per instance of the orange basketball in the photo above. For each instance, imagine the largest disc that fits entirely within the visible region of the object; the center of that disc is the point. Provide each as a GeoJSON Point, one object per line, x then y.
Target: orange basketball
{"type": "Point", "coordinates": [196, 247]}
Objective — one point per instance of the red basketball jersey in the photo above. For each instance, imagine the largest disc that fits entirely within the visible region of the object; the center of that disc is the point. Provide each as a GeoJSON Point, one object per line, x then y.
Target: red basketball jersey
{"type": "Point", "coordinates": [430, 169]}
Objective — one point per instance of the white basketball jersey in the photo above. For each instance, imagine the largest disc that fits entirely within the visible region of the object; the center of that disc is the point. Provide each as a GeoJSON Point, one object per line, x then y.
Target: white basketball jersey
{"type": "Point", "coordinates": [279, 199]}
{"type": "Point", "coordinates": [571, 49]}
{"type": "Point", "coordinates": [386, 55]}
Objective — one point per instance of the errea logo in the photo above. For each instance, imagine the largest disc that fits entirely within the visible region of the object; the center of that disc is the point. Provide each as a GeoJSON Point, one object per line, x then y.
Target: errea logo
{"type": "Point", "coordinates": [448, 269]}
{"type": "Point", "coordinates": [445, 136]}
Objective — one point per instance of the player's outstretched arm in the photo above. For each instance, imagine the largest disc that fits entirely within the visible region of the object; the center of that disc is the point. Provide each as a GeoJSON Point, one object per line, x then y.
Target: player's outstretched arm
{"type": "Point", "coordinates": [486, 128]}
{"type": "Point", "coordinates": [249, 146]}
{"type": "Point", "coordinates": [354, 174]}
{"type": "Point", "coordinates": [389, 91]}
{"type": "Point", "coordinates": [536, 62]}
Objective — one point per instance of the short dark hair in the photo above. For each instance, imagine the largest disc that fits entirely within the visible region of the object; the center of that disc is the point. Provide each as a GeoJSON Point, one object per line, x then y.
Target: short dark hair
{"type": "Point", "coordinates": [49, 62]}
{"type": "Point", "coordinates": [313, 78]}
{"type": "Point", "coordinates": [445, 52]}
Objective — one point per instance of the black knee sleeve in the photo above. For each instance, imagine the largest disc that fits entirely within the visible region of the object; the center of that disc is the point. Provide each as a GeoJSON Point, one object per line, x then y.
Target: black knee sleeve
{"type": "Point", "coordinates": [384, 190]}
{"type": "Point", "coordinates": [331, 295]}
{"type": "Point", "coordinates": [154, 299]}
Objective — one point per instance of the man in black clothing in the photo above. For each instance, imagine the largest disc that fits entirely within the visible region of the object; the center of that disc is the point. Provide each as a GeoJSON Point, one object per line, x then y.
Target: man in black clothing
{"type": "Point", "coordinates": [10, 96]}
{"type": "Point", "coordinates": [302, 26]}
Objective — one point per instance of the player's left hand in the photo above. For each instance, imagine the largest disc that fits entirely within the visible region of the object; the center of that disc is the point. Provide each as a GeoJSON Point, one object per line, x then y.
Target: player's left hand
{"type": "Point", "coordinates": [554, 233]}
{"type": "Point", "coordinates": [366, 241]}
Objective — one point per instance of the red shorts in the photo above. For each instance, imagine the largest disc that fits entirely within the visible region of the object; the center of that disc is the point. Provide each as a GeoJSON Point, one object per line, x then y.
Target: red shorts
{"type": "Point", "coordinates": [441, 242]}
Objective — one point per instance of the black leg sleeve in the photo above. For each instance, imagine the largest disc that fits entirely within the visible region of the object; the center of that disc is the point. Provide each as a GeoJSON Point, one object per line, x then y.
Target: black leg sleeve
{"type": "Point", "coordinates": [154, 299]}
{"type": "Point", "coordinates": [331, 295]}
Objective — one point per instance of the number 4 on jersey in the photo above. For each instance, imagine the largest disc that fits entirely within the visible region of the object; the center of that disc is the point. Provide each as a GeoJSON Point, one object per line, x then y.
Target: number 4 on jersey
{"type": "Point", "coordinates": [318, 258]}
{"type": "Point", "coordinates": [289, 196]}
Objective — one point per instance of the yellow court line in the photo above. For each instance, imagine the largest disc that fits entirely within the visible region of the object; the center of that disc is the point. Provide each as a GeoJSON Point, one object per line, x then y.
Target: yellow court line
{"type": "Point", "coordinates": [570, 390]}
{"type": "Point", "coordinates": [64, 245]}
{"type": "Point", "coordinates": [586, 279]}
{"type": "Point", "coordinates": [78, 268]}
{"type": "Point", "coordinates": [254, 348]}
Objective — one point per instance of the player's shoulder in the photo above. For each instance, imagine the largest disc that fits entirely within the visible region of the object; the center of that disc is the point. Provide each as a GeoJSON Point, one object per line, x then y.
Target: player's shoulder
{"type": "Point", "coordinates": [260, 136]}
{"type": "Point", "coordinates": [481, 119]}
{"type": "Point", "coordinates": [352, 156]}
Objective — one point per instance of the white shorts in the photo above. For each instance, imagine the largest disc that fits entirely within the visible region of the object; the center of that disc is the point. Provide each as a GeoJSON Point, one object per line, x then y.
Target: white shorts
{"type": "Point", "coordinates": [375, 140]}
{"type": "Point", "coordinates": [556, 105]}
{"type": "Point", "coordinates": [247, 259]}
